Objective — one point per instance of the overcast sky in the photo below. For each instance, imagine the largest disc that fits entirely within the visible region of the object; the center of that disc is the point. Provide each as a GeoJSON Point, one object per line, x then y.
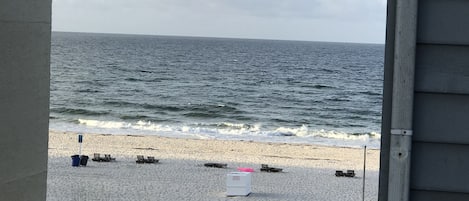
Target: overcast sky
{"type": "Point", "coordinates": [313, 20]}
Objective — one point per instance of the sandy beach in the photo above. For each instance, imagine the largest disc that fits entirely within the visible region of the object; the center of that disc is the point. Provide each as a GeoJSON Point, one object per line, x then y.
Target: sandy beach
{"type": "Point", "coordinates": [308, 170]}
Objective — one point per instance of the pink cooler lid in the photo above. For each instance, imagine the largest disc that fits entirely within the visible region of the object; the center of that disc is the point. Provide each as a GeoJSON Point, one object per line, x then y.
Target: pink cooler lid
{"type": "Point", "coordinates": [244, 169]}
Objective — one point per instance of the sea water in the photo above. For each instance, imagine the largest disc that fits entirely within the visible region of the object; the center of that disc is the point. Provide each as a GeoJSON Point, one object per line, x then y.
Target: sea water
{"type": "Point", "coordinates": [217, 88]}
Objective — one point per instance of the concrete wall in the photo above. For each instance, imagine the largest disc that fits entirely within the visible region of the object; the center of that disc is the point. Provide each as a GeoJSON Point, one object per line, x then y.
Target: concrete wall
{"type": "Point", "coordinates": [440, 143]}
{"type": "Point", "coordinates": [25, 28]}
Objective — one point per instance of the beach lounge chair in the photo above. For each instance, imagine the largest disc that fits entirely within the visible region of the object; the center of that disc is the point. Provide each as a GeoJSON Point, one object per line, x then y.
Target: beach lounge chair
{"type": "Point", "coordinates": [216, 165]}
{"type": "Point", "coordinates": [151, 159]}
{"type": "Point", "coordinates": [96, 157]}
{"type": "Point", "coordinates": [140, 159]}
{"type": "Point", "coordinates": [108, 158]}
{"type": "Point", "coordinates": [266, 168]}
{"type": "Point", "coordinates": [339, 173]}
{"type": "Point", "coordinates": [350, 173]}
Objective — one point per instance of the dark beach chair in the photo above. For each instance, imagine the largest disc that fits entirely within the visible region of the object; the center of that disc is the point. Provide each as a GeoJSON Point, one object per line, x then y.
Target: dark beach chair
{"type": "Point", "coordinates": [339, 173]}
{"type": "Point", "coordinates": [266, 168]}
{"type": "Point", "coordinates": [216, 165]}
{"type": "Point", "coordinates": [140, 159]}
{"type": "Point", "coordinates": [108, 158]}
{"type": "Point", "coordinates": [96, 157]}
{"type": "Point", "coordinates": [350, 173]}
{"type": "Point", "coordinates": [151, 159]}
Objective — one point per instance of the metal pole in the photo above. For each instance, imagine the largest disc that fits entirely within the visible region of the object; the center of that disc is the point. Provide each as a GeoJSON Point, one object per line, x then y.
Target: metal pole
{"type": "Point", "coordinates": [80, 140]}
{"type": "Point", "coordinates": [364, 170]}
{"type": "Point", "coordinates": [402, 100]}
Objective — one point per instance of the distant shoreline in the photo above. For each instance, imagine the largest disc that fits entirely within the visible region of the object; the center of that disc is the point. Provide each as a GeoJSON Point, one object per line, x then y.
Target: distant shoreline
{"type": "Point", "coordinates": [130, 145]}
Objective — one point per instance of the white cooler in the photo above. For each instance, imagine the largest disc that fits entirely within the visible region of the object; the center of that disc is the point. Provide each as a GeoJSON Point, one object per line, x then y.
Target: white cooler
{"type": "Point", "coordinates": [238, 184]}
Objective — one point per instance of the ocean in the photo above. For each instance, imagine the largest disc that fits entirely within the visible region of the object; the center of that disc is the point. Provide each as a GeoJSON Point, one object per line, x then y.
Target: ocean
{"type": "Point", "coordinates": [217, 88]}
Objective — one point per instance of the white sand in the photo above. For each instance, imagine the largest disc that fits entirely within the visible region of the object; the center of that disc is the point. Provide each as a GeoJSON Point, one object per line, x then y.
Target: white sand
{"type": "Point", "coordinates": [180, 175]}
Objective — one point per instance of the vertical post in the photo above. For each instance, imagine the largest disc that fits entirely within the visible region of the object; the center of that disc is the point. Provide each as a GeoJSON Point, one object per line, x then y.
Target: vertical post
{"type": "Point", "coordinates": [25, 40]}
{"type": "Point", "coordinates": [364, 171]}
{"type": "Point", "coordinates": [402, 100]}
{"type": "Point", "coordinates": [80, 140]}
{"type": "Point", "coordinates": [387, 102]}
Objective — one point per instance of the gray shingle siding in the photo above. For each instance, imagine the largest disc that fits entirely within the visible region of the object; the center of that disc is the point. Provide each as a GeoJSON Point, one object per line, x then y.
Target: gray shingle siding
{"type": "Point", "coordinates": [440, 147]}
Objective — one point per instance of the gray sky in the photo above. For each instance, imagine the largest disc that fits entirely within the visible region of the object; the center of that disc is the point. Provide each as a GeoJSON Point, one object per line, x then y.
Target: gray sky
{"type": "Point", "coordinates": [313, 20]}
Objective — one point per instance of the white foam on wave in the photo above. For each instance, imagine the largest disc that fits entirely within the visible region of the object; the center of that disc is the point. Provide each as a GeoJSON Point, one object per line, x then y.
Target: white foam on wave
{"type": "Point", "coordinates": [104, 124]}
{"type": "Point", "coordinates": [304, 131]}
{"type": "Point", "coordinates": [239, 129]}
{"type": "Point", "coordinates": [236, 131]}
{"type": "Point", "coordinates": [147, 125]}
{"type": "Point", "coordinates": [301, 131]}
{"type": "Point", "coordinates": [140, 125]}
{"type": "Point", "coordinates": [340, 135]}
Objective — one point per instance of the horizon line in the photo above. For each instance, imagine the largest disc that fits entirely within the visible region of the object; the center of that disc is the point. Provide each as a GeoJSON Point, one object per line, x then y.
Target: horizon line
{"type": "Point", "coordinates": [215, 37]}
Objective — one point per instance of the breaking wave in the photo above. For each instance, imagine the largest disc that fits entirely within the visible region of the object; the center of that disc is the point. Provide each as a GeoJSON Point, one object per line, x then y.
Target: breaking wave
{"type": "Point", "coordinates": [232, 131]}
